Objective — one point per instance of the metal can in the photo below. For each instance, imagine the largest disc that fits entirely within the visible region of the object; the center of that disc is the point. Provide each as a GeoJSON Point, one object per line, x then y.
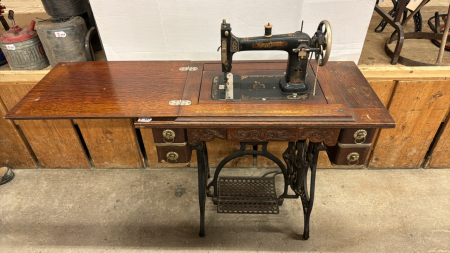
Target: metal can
{"type": "Point", "coordinates": [22, 49]}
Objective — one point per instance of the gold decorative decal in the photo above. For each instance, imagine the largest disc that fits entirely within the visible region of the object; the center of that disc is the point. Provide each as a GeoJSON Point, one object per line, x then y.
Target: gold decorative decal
{"type": "Point", "coordinates": [278, 35]}
{"type": "Point", "coordinates": [258, 86]}
{"type": "Point", "coordinates": [256, 76]}
{"type": "Point", "coordinates": [271, 44]}
{"type": "Point", "coordinates": [234, 44]}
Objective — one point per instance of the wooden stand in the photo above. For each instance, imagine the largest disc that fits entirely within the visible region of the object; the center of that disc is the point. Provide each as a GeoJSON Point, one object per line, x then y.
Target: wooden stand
{"type": "Point", "coordinates": [177, 97]}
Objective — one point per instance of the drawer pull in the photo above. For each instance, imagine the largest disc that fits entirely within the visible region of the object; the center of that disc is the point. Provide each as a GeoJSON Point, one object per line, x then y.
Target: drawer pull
{"type": "Point", "coordinates": [172, 157]}
{"type": "Point", "coordinates": [360, 136]}
{"type": "Point", "coordinates": [353, 158]}
{"type": "Point", "coordinates": [168, 135]}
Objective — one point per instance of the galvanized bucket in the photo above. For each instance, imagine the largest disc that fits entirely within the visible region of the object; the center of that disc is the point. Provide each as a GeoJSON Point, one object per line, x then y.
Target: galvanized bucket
{"type": "Point", "coordinates": [25, 55]}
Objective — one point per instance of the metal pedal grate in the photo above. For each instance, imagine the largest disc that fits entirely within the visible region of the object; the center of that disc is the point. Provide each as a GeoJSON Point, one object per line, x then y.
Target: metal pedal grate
{"type": "Point", "coordinates": [253, 195]}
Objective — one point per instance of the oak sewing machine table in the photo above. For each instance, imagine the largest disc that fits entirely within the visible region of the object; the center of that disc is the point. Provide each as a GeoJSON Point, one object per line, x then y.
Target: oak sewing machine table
{"type": "Point", "coordinates": [341, 118]}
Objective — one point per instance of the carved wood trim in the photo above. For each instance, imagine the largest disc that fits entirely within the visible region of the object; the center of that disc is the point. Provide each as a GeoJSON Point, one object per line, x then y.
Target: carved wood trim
{"type": "Point", "coordinates": [262, 134]}
{"type": "Point", "coordinates": [197, 135]}
{"type": "Point", "coordinates": [328, 136]}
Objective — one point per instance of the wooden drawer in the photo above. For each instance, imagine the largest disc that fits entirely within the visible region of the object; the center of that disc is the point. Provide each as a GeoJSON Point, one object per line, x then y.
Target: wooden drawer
{"type": "Point", "coordinates": [357, 135]}
{"type": "Point", "coordinates": [173, 154]}
{"type": "Point", "coordinates": [169, 135]}
{"type": "Point", "coordinates": [348, 154]}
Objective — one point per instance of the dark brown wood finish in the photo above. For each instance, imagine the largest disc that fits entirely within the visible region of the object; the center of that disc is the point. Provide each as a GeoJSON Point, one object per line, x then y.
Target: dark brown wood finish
{"type": "Point", "coordinates": [183, 154]}
{"type": "Point", "coordinates": [193, 82]}
{"type": "Point", "coordinates": [262, 134]}
{"type": "Point", "coordinates": [348, 85]}
{"type": "Point", "coordinates": [180, 135]}
{"type": "Point", "coordinates": [340, 155]}
{"type": "Point", "coordinates": [348, 136]}
{"type": "Point", "coordinates": [105, 90]}
{"type": "Point", "coordinates": [144, 89]}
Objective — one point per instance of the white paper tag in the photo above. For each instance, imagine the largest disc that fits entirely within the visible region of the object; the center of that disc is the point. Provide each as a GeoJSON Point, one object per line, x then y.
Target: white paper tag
{"type": "Point", "coordinates": [413, 4]}
{"type": "Point", "coordinates": [10, 47]}
{"type": "Point", "coordinates": [144, 120]}
{"type": "Point", "coordinates": [60, 34]}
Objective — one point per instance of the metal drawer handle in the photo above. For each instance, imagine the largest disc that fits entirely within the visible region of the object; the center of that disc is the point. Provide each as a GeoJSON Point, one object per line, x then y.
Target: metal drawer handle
{"type": "Point", "coordinates": [172, 157]}
{"type": "Point", "coordinates": [353, 158]}
{"type": "Point", "coordinates": [360, 136]}
{"type": "Point", "coordinates": [168, 136]}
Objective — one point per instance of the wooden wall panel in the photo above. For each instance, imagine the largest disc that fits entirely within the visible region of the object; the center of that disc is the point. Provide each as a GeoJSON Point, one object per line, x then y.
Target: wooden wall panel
{"type": "Point", "coordinates": [14, 152]}
{"type": "Point", "coordinates": [111, 143]}
{"type": "Point", "coordinates": [54, 142]}
{"type": "Point", "coordinates": [24, 6]}
{"type": "Point", "coordinates": [383, 89]}
{"type": "Point", "coordinates": [219, 149]}
{"type": "Point", "coordinates": [277, 149]}
{"type": "Point", "coordinates": [440, 156]}
{"type": "Point", "coordinates": [418, 108]}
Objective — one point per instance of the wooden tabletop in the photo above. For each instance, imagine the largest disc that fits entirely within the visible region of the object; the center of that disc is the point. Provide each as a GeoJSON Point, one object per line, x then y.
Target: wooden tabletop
{"type": "Point", "coordinates": [144, 89]}
{"type": "Point", "coordinates": [105, 90]}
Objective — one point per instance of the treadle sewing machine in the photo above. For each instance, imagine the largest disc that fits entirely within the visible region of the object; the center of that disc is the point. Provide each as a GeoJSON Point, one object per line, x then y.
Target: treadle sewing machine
{"type": "Point", "coordinates": [190, 103]}
{"type": "Point", "coordinates": [292, 85]}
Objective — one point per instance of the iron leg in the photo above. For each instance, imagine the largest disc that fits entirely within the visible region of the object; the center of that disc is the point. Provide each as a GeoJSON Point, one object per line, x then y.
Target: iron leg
{"type": "Point", "coordinates": [308, 199]}
{"type": "Point", "coordinates": [308, 207]}
{"type": "Point", "coordinates": [203, 171]}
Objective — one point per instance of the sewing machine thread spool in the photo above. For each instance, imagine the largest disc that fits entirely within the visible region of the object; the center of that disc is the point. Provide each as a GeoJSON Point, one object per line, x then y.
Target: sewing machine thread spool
{"type": "Point", "coordinates": [268, 30]}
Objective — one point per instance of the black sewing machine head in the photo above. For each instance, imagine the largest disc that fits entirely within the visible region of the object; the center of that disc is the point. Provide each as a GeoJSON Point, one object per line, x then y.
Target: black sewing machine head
{"type": "Point", "coordinates": [294, 84]}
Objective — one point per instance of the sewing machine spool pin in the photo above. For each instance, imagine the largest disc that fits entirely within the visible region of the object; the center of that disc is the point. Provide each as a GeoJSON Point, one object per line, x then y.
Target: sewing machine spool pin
{"type": "Point", "coordinates": [299, 47]}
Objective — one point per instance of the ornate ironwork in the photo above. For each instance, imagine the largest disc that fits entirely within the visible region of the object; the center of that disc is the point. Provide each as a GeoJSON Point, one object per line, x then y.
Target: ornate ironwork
{"type": "Point", "coordinates": [300, 158]}
{"type": "Point", "coordinates": [255, 195]}
{"type": "Point", "coordinates": [243, 152]}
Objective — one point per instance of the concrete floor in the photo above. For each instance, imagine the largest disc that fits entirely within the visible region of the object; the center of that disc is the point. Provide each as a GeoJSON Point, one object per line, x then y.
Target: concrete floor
{"type": "Point", "coordinates": [135, 210]}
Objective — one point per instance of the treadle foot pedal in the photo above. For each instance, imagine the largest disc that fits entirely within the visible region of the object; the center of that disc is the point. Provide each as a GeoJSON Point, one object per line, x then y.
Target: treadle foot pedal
{"type": "Point", "coordinates": [252, 195]}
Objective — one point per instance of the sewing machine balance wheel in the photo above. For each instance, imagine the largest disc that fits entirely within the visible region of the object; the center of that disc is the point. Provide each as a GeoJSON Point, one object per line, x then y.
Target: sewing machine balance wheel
{"type": "Point", "coordinates": [324, 36]}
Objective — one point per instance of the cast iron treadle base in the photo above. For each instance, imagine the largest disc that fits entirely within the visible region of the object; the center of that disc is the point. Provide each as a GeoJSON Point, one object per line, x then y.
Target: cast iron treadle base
{"type": "Point", "coordinates": [252, 195]}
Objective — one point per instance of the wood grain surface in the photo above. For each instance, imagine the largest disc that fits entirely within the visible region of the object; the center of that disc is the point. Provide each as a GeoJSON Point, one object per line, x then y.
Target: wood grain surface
{"type": "Point", "coordinates": [105, 90]}
{"type": "Point", "coordinates": [122, 89]}
{"type": "Point", "coordinates": [14, 152]}
{"type": "Point", "coordinates": [384, 90]}
{"type": "Point", "coordinates": [418, 108]}
{"type": "Point", "coordinates": [111, 143]}
{"type": "Point", "coordinates": [55, 142]}
{"type": "Point", "coordinates": [440, 156]}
